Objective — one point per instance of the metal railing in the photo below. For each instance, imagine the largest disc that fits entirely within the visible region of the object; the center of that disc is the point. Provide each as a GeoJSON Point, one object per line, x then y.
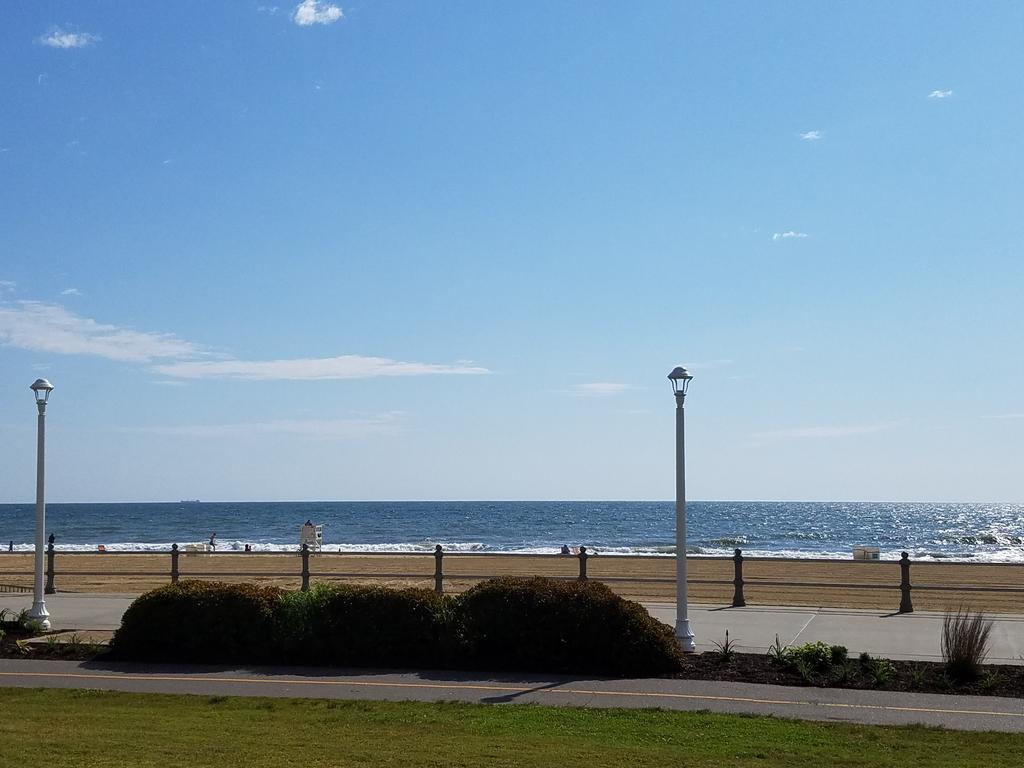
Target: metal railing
{"type": "Point", "coordinates": [738, 582]}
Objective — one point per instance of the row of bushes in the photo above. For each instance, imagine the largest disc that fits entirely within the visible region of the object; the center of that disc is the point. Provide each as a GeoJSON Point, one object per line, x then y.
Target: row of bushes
{"type": "Point", "coordinates": [513, 624]}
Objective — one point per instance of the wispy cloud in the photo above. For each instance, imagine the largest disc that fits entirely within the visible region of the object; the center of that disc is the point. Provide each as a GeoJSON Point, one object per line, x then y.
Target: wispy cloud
{"type": "Point", "coordinates": [310, 368]}
{"type": "Point", "coordinates": [7, 286]}
{"type": "Point", "coordinates": [812, 135]}
{"type": "Point", "coordinates": [42, 327]}
{"type": "Point", "coordinates": [362, 426]}
{"type": "Point", "coordinates": [57, 37]}
{"type": "Point", "coordinates": [71, 292]}
{"type": "Point", "coordinates": [270, 10]}
{"type": "Point", "coordinates": [789, 235]}
{"type": "Point", "coordinates": [599, 389]}
{"type": "Point", "coordinates": [800, 433]}
{"type": "Point", "coordinates": [310, 12]}
{"type": "Point", "coordinates": [940, 94]}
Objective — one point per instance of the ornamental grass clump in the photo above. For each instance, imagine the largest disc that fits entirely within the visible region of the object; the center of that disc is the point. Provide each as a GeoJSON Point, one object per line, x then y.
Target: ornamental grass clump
{"type": "Point", "coordinates": [965, 640]}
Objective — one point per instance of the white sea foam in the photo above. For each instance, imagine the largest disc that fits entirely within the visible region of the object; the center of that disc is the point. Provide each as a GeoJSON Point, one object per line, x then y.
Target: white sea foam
{"type": "Point", "coordinates": [1006, 555]}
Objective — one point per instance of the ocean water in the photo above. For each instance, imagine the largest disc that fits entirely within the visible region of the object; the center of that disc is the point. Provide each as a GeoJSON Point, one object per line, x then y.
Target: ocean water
{"type": "Point", "coordinates": [974, 532]}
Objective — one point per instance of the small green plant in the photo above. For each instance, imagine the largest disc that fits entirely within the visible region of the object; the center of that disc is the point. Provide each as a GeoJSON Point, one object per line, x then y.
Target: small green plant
{"type": "Point", "coordinates": [846, 672]}
{"type": "Point", "coordinates": [777, 651]}
{"type": "Point", "coordinates": [991, 679]}
{"type": "Point", "coordinates": [726, 651]}
{"type": "Point", "coordinates": [805, 670]}
{"type": "Point", "coordinates": [882, 671]}
{"type": "Point", "coordinates": [918, 675]}
{"type": "Point", "coordinates": [965, 639]}
{"type": "Point", "coordinates": [839, 654]}
{"type": "Point", "coordinates": [817, 655]}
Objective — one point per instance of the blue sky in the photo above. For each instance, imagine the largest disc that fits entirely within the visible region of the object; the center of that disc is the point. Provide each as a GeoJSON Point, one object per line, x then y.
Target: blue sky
{"type": "Point", "coordinates": [409, 250]}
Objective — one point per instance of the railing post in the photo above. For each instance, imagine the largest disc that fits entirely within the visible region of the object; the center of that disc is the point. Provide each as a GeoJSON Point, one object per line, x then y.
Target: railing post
{"type": "Point", "coordinates": [305, 567]}
{"type": "Point", "coordinates": [583, 563]}
{"type": "Point", "coordinates": [738, 600]}
{"type": "Point", "coordinates": [49, 589]}
{"type": "Point", "coordinates": [438, 573]}
{"type": "Point", "coordinates": [174, 563]}
{"type": "Point", "coordinates": [906, 606]}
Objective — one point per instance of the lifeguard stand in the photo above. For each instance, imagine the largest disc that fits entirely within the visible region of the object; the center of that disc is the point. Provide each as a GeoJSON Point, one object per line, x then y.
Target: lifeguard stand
{"type": "Point", "coordinates": [312, 536]}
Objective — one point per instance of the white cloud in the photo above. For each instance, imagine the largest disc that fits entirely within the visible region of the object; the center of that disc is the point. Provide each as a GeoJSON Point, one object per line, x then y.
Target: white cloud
{"type": "Point", "coordinates": [599, 389]}
{"type": "Point", "coordinates": [789, 235]}
{"type": "Point", "coordinates": [7, 285]}
{"type": "Point", "coordinates": [362, 426]}
{"type": "Point", "coordinates": [41, 327]}
{"type": "Point", "coordinates": [270, 10]}
{"type": "Point", "coordinates": [310, 12]}
{"type": "Point", "coordinates": [71, 292]}
{"type": "Point", "coordinates": [310, 368]}
{"type": "Point", "coordinates": [62, 38]}
{"type": "Point", "coordinates": [820, 432]}
{"type": "Point", "coordinates": [940, 94]}
{"type": "Point", "coordinates": [812, 135]}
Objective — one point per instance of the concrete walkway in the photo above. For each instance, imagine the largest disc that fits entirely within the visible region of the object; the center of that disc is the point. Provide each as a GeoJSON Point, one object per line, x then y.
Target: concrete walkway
{"type": "Point", "coordinates": [865, 707]}
{"type": "Point", "coordinates": [895, 636]}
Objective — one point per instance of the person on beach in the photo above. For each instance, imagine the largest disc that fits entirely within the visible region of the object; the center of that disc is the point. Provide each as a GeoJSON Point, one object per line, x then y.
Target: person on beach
{"type": "Point", "coordinates": [565, 549]}
{"type": "Point", "coordinates": [213, 541]}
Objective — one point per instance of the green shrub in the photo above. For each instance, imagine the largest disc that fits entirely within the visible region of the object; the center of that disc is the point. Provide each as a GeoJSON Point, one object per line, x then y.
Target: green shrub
{"type": "Point", "coordinates": [965, 638]}
{"type": "Point", "coordinates": [818, 656]}
{"type": "Point", "coordinates": [200, 621]}
{"type": "Point", "coordinates": [352, 625]}
{"type": "Point", "coordinates": [541, 624]}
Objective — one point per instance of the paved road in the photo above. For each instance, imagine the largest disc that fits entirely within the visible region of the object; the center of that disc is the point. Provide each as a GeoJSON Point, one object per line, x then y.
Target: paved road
{"type": "Point", "coordinates": [895, 636]}
{"type": "Point", "coordinates": [872, 707]}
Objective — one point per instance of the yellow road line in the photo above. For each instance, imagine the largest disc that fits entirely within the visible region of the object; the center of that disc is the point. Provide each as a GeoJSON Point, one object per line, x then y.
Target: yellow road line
{"type": "Point", "coordinates": [509, 689]}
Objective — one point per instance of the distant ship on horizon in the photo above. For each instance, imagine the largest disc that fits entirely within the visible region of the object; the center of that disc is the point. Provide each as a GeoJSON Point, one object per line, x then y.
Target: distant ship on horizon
{"type": "Point", "coordinates": [189, 501]}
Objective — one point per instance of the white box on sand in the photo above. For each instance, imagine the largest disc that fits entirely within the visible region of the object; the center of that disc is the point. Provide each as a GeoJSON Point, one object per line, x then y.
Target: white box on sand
{"type": "Point", "coordinates": [865, 553]}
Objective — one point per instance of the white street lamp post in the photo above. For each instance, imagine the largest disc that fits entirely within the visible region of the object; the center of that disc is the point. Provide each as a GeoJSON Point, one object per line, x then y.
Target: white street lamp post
{"type": "Point", "coordinates": [680, 379]}
{"type": "Point", "coordinates": [42, 389]}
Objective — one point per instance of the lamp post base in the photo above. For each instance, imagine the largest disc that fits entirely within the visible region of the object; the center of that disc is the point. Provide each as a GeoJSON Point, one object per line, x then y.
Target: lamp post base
{"type": "Point", "coordinates": [40, 614]}
{"type": "Point", "coordinates": [685, 636]}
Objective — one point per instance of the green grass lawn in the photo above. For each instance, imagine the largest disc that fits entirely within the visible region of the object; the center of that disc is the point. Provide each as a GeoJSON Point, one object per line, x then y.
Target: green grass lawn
{"type": "Point", "coordinates": [87, 729]}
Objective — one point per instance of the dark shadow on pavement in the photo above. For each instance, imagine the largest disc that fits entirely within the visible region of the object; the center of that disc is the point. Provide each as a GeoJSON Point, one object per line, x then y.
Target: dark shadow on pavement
{"type": "Point", "coordinates": [508, 698]}
{"type": "Point", "coordinates": [436, 675]}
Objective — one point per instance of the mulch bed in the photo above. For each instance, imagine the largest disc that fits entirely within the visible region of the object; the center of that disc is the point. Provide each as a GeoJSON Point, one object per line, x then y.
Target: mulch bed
{"type": "Point", "coordinates": [911, 676]}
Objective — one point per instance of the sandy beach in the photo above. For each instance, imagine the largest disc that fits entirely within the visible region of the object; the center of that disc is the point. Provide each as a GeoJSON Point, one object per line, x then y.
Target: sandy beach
{"type": "Point", "coordinates": [801, 582]}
